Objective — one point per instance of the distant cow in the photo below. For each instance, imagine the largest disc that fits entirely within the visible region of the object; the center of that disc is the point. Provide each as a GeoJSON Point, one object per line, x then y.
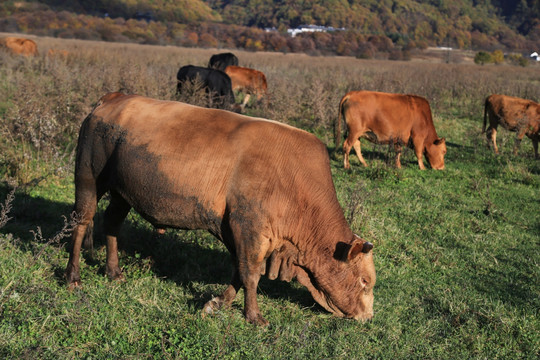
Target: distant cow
{"type": "Point", "coordinates": [247, 80]}
{"type": "Point", "coordinates": [215, 82]}
{"type": "Point", "coordinates": [58, 53]}
{"type": "Point", "coordinates": [513, 114]}
{"type": "Point", "coordinates": [221, 61]}
{"type": "Point", "coordinates": [395, 119]}
{"type": "Point", "coordinates": [19, 46]}
{"type": "Point", "coordinates": [245, 180]}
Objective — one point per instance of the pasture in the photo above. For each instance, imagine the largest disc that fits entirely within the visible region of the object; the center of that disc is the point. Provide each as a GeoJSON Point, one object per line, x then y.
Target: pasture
{"type": "Point", "coordinates": [457, 251]}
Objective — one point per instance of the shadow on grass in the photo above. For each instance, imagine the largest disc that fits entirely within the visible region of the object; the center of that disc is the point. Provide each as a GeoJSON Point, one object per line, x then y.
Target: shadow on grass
{"type": "Point", "coordinates": [176, 255]}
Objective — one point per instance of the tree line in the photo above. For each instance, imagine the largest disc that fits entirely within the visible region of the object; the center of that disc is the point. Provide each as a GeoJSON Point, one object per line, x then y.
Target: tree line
{"type": "Point", "coordinates": [381, 28]}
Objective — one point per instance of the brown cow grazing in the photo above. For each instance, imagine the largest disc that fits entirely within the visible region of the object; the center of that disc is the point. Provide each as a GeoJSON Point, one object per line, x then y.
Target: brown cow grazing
{"type": "Point", "coordinates": [57, 53]}
{"type": "Point", "coordinates": [243, 179]}
{"type": "Point", "coordinates": [513, 114]}
{"type": "Point", "coordinates": [19, 46]}
{"type": "Point", "coordinates": [248, 80]}
{"type": "Point", "coordinates": [384, 118]}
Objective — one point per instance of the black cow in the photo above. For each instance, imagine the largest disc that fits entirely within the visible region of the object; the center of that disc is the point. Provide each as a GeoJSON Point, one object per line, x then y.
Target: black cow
{"type": "Point", "coordinates": [215, 82]}
{"type": "Point", "coordinates": [221, 61]}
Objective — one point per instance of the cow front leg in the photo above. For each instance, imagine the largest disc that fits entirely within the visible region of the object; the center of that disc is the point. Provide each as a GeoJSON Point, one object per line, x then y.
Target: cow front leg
{"type": "Point", "coordinates": [535, 147]}
{"type": "Point", "coordinates": [251, 307]}
{"type": "Point", "coordinates": [113, 218]}
{"type": "Point", "coordinates": [419, 151]}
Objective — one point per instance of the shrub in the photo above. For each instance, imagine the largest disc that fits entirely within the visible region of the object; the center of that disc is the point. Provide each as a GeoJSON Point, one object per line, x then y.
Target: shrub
{"type": "Point", "coordinates": [482, 58]}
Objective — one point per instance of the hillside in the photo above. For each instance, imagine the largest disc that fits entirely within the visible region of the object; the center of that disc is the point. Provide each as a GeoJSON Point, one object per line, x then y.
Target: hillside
{"type": "Point", "coordinates": [369, 27]}
{"type": "Point", "coordinates": [437, 22]}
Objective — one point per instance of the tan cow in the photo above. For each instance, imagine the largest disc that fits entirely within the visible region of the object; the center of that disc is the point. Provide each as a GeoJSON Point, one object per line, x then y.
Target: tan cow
{"type": "Point", "coordinates": [513, 114]}
{"type": "Point", "coordinates": [245, 180]}
{"type": "Point", "coordinates": [58, 53]}
{"type": "Point", "coordinates": [249, 81]}
{"type": "Point", "coordinates": [19, 46]}
{"type": "Point", "coordinates": [395, 119]}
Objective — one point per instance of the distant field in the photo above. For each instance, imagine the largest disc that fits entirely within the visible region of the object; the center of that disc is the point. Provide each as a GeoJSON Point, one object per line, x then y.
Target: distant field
{"type": "Point", "coordinates": [457, 251]}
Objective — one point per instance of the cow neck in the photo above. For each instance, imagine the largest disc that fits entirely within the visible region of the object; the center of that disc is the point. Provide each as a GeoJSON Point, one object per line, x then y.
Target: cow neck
{"type": "Point", "coordinates": [320, 237]}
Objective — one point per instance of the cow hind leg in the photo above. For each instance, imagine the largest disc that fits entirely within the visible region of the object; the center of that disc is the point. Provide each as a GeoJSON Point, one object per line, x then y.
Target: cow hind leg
{"type": "Point", "coordinates": [517, 143]}
{"type": "Point", "coordinates": [246, 100]}
{"type": "Point", "coordinates": [358, 150]}
{"type": "Point", "coordinates": [491, 135]}
{"type": "Point", "coordinates": [398, 147]}
{"type": "Point", "coordinates": [113, 218]}
{"type": "Point", "coordinates": [225, 299]}
{"type": "Point", "coordinates": [85, 207]}
{"type": "Point", "coordinates": [347, 145]}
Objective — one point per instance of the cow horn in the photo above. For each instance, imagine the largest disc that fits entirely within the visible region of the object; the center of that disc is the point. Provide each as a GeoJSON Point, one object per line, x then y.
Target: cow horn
{"type": "Point", "coordinates": [367, 247]}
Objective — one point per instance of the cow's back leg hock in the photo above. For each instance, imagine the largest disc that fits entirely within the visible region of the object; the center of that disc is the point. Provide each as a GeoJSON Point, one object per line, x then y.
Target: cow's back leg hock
{"type": "Point", "coordinates": [113, 218]}
{"type": "Point", "coordinates": [491, 134]}
{"type": "Point", "coordinates": [347, 145]}
{"type": "Point", "coordinates": [246, 100]}
{"type": "Point", "coordinates": [85, 207]}
{"type": "Point", "coordinates": [225, 299]}
{"type": "Point", "coordinates": [73, 267]}
{"type": "Point", "coordinates": [358, 150]}
{"type": "Point", "coordinates": [397, 148]}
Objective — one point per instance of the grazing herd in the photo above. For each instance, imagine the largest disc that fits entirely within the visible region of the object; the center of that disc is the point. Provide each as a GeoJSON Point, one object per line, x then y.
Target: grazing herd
{"type": "Point", "coordinates": [245, 180]}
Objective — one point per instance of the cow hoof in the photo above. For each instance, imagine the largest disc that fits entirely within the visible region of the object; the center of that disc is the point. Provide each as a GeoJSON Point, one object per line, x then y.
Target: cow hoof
{"type": "Point", "coordinates": [116, 275]}
{"type": "Point", "coordinates": [258, 320]}
{"type": "Point", "coordinates": [212, 306]}
{"type": "Point", "coordinates": [73, 285]}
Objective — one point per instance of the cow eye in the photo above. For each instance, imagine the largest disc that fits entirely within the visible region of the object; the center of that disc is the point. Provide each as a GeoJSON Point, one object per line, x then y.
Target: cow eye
{"type": "Point", "coordinates": [364, 281]}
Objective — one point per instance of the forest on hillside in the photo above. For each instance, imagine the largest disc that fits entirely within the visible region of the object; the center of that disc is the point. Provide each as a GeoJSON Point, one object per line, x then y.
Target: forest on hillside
{"type": "Point", "coordinates": [368, 27]}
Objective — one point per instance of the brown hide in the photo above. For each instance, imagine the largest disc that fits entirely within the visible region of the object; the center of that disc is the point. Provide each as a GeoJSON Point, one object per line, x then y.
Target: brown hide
{"type": "Point", "coordinates": [514, 114]}
{"type": "Point", "coordinates": [243, 179]}
{"type": "Point", "coordinates": [250, 81]}
{"type": "Point", "coordinates": [395, 119]}
{"type": "Point", "coordinates": [19, 46]}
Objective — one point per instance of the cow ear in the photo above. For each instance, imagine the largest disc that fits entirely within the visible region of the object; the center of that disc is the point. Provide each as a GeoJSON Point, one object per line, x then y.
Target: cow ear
{"type": "Point", "coordinates": [359, 247]}
{"type": "Point", "coordinates": [439, 141]}
{"type": "Point", "coordinates": [348, 252]}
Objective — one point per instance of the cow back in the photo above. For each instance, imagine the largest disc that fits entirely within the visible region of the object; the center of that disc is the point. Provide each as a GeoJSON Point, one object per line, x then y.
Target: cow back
{"type": "Point", "coordinates": [221, 61]}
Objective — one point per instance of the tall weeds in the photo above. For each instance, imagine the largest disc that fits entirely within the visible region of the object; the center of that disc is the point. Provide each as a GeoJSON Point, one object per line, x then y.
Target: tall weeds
{"type": "Point", "coordinates": [44, 99]}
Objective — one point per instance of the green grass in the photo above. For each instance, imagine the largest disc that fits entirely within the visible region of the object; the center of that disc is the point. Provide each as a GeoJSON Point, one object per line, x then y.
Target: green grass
{"type": "Point", "coordinates": [456, 251]}
{"type": "Point", "coordinates": [457, 257]}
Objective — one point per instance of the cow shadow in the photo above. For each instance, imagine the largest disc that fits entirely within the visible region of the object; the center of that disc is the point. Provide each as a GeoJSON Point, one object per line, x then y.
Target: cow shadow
{"type": "Point", "coordinates": [174, 256]}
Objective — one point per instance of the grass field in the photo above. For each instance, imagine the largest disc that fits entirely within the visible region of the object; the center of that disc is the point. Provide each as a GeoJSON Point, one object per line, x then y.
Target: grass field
{"type": "Point", "coordinates": [456, 251]}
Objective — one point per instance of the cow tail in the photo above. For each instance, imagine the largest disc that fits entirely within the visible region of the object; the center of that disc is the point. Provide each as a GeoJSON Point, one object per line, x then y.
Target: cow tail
{"type": "Point", "coordinates": [486, 104]}
{"type": "Point", "coordinates": [338, 121]}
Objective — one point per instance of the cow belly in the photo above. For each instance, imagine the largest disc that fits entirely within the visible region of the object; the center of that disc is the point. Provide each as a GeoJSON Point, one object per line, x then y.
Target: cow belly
{"type": "Point", "coordinates": [379, 138]}
{"type": "Point", "coordinates": [177, 198]}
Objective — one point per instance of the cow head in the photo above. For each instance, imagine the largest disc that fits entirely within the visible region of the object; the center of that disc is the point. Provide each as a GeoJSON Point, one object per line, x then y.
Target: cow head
{"type": "Point", "coordinates": [346, 288]}
{"type": "Point", "coordinates": [435, 154]}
